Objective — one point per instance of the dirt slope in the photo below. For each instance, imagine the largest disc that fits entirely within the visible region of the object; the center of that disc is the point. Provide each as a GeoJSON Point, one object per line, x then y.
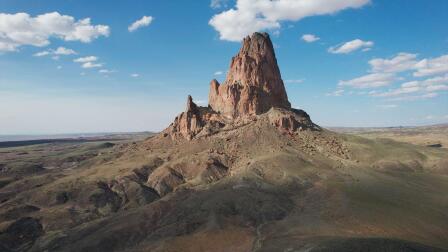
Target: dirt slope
{"type": "Point", "coordinates": [248, 188]}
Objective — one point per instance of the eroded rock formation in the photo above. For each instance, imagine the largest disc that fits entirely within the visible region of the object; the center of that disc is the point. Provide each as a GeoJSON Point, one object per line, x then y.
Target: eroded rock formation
{"type": "Point", "coordinates": [188, 123]}
{"type": "Point", "coordinates": [253, 87]}
{"type": "Point", "coordinates": [194, 121]}
{"type": "Point", "coordinates": [253, 84]}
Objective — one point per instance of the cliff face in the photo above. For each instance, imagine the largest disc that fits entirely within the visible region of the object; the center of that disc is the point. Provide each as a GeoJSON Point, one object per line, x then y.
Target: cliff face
{"type": "Point", "coordinates": [253, 84]}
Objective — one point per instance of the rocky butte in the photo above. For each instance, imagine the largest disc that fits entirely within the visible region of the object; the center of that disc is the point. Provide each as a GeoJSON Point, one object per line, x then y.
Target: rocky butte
{"type": "Point", "coordinates": [253, 87]}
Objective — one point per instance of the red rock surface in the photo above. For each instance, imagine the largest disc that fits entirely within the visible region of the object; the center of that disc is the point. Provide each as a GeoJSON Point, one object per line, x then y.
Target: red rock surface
{"type": "Point", "coordinates": [253, 87]}
{"type": "Point", "coordinates": [188, 123]}
{"type": "Point", "coordinates": [253, 84]}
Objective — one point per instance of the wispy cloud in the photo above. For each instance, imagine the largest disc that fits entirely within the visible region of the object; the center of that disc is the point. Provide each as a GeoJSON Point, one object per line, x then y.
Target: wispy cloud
{"type": "Point", "coordinates": [399, 63]}
{"type": "Point", "coordinates": [335, 93]}
{"type": "Point", "coordinates": [86, 59]}
{"type": "Point", "coordinates": [217, 4]}
{"type": "Point", "coordinates": [370, 81]}
{"type": "Point", "coordinates": [89, 62]}
{"type": "Point", "coordinates": [310, 38]}
{"type": "Point", "coordinates": [91, 65]}
{"type": "Point", "coordinates": [428, 67]}
{"type": "Point", "coordinates": [144, 21]}
{"type": "Point", "coordinates": [351, 46]}
{"type": "Point", "coordinates": [41, 54]}
{"type": "Point", "coordinates": [56, 53]}
{"type": "Point", "coordinates": [106, 71]}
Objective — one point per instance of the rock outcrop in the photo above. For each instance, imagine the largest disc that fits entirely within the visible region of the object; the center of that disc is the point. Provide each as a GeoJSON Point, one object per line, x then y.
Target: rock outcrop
{"type": "Point", "coordinates": [253, 84]}
{"type": "Point", "coordinates": [253, 87]}
{"type": "Point", "coordinates": [194, 121]}
{"type": "Point", "coordinates": [188, 123]}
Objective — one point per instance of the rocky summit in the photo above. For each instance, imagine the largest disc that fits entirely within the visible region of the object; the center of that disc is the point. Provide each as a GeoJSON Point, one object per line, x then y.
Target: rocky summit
{"type": "Point", "coordinates": [253, 84]}
{"type": "Point", "coordinates": [253, 87]}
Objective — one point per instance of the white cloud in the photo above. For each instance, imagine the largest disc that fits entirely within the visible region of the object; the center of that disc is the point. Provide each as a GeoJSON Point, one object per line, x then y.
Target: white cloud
{"type": "Point", "coordinates": [41, 54]}
{"type": "Point", "coordinates": [59, 67]}
{"type": "Point", "coordinates": [91, 65]}
{"type": "Point", "coordinates": [82, 74]}
{"type": "Point", "coordinates": [428, 67]}
{"type": "Point", "coordinates": [21, 29]}
{"type": "Point", "coordinates": [89, 62]}
{"type": "Point", "coordinates": [310, 38]}
{"type": "Point", "coordinates": [436, 80]}
{"type": "Point", "coordinates": [408, 62]}
{"type": "Point", "coordinates": [370, 81]}
{"type": "Point", "coordinates": [217, 4]}
{"type": "Point", "coordinates": [144, 21]}
{"type": "Point", "coordinates": [435, 88]}
{"type": "Point", "coordinates": [385, 71]}
{"type": "Point", "coordinates": [401, 62]}
{"type": "Point", "coordinates": [135, 75]}
{"type": "Point", "coordinates": [426, 89]}
{"type": "Point", "coordinates": [249, 16]}
{"type": "Point", "coordinates": [106, 71]}
{"type": "Point", "coordinates": [298, 81]}
{"type": "Point", "coordinates": [406, 88]}
{"type": "Point", "coordinates": [350, 46]}
{"type": "Point", "coordinates": [86, 59]}
{"type": "Point", "coordinates": [218, 73]}
{"type": "Point", "coordinates": [56, 53]}
{"type": "Point", "coordinates": [63, 51]}
{"type": "Point", "coordinates": [336, 93]}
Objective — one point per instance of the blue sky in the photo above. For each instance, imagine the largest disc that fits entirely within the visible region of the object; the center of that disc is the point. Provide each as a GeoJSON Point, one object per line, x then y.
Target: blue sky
{"type": "Point", "coordinates": [362, 63]}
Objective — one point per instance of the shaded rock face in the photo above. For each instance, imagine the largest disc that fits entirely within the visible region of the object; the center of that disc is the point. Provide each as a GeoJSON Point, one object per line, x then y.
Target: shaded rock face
{"type": "Point", "coordinates": [188, 123]}
{"type": "Point", "coordinates": [253, 84]}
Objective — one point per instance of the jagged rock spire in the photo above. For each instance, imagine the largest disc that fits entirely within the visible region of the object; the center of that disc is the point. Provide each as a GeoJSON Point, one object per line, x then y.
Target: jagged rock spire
{"type": "Point", "coordinates": [191, 106]}
{"type": "Point", "coordinates": [253, 84]}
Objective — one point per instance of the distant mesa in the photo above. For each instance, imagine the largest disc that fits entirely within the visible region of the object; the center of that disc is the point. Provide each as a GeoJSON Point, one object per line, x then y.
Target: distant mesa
{"type": "Point", "coordinates": [253, 87]}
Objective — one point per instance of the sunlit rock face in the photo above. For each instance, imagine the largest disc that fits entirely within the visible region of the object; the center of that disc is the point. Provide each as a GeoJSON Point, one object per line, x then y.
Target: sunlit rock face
{"type": "Point", "coordinates": [253, 88]}
{"type": "Point", "coordinates": [253, 84]}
